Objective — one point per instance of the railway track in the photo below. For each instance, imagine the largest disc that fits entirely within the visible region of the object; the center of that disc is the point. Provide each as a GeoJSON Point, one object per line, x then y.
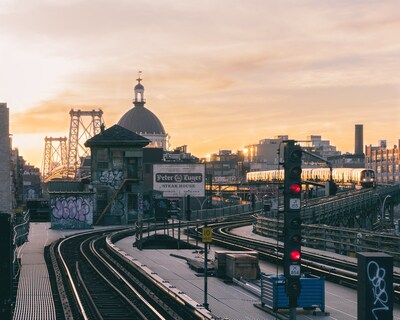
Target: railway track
{"type": "Point", "coordinates": [341, 271]}
{"type": "Point", "coordinates": [95, 282]}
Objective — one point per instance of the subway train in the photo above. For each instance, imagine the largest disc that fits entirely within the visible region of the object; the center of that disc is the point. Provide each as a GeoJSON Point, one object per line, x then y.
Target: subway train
{"type": "Point", "coordinates": [359, 177]}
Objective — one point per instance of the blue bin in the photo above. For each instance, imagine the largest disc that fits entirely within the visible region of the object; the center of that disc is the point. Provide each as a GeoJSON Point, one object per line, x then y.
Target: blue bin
{"type": "Point", "coordinates": [273, 295]}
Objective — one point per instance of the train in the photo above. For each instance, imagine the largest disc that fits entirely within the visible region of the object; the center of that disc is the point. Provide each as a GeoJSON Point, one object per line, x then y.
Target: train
{"type": "Point", "coordinates": [359, 177]}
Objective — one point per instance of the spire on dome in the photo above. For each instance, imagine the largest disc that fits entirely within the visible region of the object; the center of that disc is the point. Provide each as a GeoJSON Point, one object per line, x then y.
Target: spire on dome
{"type": "Point", "coordinates": [139, 92]}
{"type": "Point", "coordinates": [139, 76]}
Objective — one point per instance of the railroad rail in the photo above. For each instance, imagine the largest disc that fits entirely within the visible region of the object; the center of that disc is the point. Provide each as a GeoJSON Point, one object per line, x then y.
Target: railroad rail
{"type": "Point", "coordinates": [344, 241]}
{"type": "Point", "coordinates": [96, 282]}
{"type": "Point", "coordinates": [81, 300]}
{"type": "Point", "coordinates": [341, 271]}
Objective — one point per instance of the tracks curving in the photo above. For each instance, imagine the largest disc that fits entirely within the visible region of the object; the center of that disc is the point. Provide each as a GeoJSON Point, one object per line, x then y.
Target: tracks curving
{"type": "Point", "coordinates": [341, 271]}
{"type": "Point", "coordinates": [96, 283]}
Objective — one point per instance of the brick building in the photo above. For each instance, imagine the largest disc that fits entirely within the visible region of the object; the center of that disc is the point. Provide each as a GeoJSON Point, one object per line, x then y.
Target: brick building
{"type": "Point", "coordinates": [385, 162]}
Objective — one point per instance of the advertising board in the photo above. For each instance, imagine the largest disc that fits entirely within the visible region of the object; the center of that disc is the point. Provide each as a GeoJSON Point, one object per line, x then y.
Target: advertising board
{"type": "Point", "coordinates": [179, 180]}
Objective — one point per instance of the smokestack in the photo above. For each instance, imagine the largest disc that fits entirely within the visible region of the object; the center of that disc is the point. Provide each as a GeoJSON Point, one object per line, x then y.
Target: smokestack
{"type": "Point", "coordinates": [359, 140]}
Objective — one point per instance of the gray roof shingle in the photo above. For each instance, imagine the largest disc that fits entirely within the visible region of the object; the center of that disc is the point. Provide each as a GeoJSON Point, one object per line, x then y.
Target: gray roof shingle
{"type": "Point", "coordinates": [117, 135]}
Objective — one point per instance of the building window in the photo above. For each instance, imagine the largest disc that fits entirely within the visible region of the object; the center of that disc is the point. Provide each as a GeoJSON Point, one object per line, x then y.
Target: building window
{"type": "Point", "coordinates": [132, 168]}
{"type": "Point", "coordinates": [102, 155]}
{"type": "Point", "coordinates": [101, 165]}
{"type": "Point", "coordinates": [118, 159]}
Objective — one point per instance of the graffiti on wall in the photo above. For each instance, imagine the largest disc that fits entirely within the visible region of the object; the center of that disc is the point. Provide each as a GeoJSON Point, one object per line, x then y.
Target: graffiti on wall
{"type": "Point", "coordinates": [32, 192]}
{"type": "Point", "coordinates": [376, 276]}
{"type": "Point", "coordinates": [118, 206]}
{"type": "Point", "coordinates": [74, 211]}
{"type": "Point", "coordinates": [112, 178]}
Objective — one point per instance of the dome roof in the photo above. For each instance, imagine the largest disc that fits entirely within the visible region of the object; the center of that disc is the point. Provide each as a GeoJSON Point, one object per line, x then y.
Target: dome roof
{"type": "Point", "coordinates": [141, 120]}
{"type": "Point", "coordinates": [139, 86]}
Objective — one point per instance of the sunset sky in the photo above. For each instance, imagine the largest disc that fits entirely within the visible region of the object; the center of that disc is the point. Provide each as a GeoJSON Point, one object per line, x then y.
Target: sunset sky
{"type": "Point", "coordinates": [218, 74]}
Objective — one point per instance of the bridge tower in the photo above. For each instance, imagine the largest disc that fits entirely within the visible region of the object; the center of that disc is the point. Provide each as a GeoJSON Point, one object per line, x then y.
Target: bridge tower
{"type": "Point", "coordinates": [83, 126]}
{"type": "Point", "coordinates": [55, 156]}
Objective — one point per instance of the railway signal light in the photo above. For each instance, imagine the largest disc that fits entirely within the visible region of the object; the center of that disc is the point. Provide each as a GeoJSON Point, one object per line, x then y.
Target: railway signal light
{"type": "Point", "coordinates": [293, 287]}
{"type": "Point", "coordinates": [292, 219]}
{"type": "Point", "coordinates": [295, 188]}
{"type": "Point", "coordinates": [295, 255]}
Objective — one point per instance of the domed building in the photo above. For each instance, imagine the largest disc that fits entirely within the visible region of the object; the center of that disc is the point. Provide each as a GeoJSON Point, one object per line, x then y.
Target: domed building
{"type": "Point", "coordinates": [142, 121]}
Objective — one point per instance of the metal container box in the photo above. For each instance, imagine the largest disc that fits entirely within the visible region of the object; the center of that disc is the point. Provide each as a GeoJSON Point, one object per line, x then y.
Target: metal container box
{"type": "Point", "coordinates": [273, 295]}
{"type": "Point", "coordinates": [241, 266]}
{"type": "Point", "coordinates": [220, 260]}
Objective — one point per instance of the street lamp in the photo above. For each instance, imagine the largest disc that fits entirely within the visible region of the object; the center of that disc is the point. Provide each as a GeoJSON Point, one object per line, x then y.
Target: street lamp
{"type": "Point", "coordinates": [383, 207]}
{"type": "Point", "coordinates": [201, 203]}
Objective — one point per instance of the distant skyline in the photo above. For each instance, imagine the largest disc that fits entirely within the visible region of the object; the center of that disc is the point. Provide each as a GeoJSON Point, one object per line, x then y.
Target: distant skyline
{"type": "Point", "coordinates": [218, 74]}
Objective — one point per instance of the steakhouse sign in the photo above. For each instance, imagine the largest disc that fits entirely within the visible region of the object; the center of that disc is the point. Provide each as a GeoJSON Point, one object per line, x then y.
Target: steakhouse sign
{"type": "Point", "coordinates": [179, 180]}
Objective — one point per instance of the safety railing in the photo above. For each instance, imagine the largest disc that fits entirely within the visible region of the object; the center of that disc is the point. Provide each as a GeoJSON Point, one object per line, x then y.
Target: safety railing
{"type": "Point", "coordinates": [345, 241]}
{"type": "Point", "coordinates": [225, 211]}
{"type": "Point", "coordinates": [21, 228]}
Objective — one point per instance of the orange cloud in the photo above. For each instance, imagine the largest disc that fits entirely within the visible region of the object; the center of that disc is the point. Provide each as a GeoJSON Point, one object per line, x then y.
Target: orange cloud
{"type": "Point", "coordinates": [49, 116]}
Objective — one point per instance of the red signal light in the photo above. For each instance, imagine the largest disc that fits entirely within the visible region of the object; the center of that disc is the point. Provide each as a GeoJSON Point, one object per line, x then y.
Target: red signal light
{"type": "Point", "coordinates": [295, 188]}
{"type": "Point", "coordinates": [295, 255]}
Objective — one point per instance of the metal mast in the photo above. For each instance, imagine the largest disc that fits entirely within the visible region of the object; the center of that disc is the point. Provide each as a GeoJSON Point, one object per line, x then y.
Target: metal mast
{"type": "Point", "coordinates": [55, 156]}
{"type": "Point", "coordinates": [80, 131]}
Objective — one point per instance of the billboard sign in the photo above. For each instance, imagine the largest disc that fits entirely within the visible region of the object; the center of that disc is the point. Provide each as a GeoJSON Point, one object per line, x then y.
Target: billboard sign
{"type": "Point", "coordinates": [179, 180]}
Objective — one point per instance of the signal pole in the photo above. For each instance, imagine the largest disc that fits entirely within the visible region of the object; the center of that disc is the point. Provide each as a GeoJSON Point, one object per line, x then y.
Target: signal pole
{"type": "Point", "coordinates": [292, 223]}
{"type": "Point", "coordinates": [206, 238]}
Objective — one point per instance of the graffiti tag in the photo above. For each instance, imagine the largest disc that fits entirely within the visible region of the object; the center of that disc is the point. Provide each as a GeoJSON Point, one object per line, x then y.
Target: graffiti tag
{"type": "Point", "coordinates": [376, 275]}
{"type": "Point", "coordinates": [73, 208]}
{"type": "Point", "coordinates": [112, 178]}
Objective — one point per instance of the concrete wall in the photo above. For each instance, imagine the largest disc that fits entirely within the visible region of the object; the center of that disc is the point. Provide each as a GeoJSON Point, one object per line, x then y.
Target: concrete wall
{"type": "Point", "coordinates": [71, 210]}
{"type": "Point", "coordinates": [5, 158]}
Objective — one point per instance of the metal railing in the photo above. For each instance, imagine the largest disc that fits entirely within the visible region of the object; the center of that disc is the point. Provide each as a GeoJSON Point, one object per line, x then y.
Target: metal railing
{"type": "Point", "coordinates": [225, 211]}
{"type": "Point", "coordinates": [21, 228]}
{"type": "Point", "coordinates": [20, 236]}
{"type": "Point", "coordinates": [326, 212]}
{"type": "Point", "coordinates": [344, 241]}
{"type": "Point", "coordinates": [323, 224]}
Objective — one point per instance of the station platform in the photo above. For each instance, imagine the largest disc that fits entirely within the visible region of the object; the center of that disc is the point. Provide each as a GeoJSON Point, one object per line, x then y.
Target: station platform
{"type": "Point", "coordinates": [34, 296]}
{"type": "Point", "coordinates": [230, 300]}
{"type": "Point", "coordinates": [226, 300]}
{"type": "Point", "coordinates": [34, 299]}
